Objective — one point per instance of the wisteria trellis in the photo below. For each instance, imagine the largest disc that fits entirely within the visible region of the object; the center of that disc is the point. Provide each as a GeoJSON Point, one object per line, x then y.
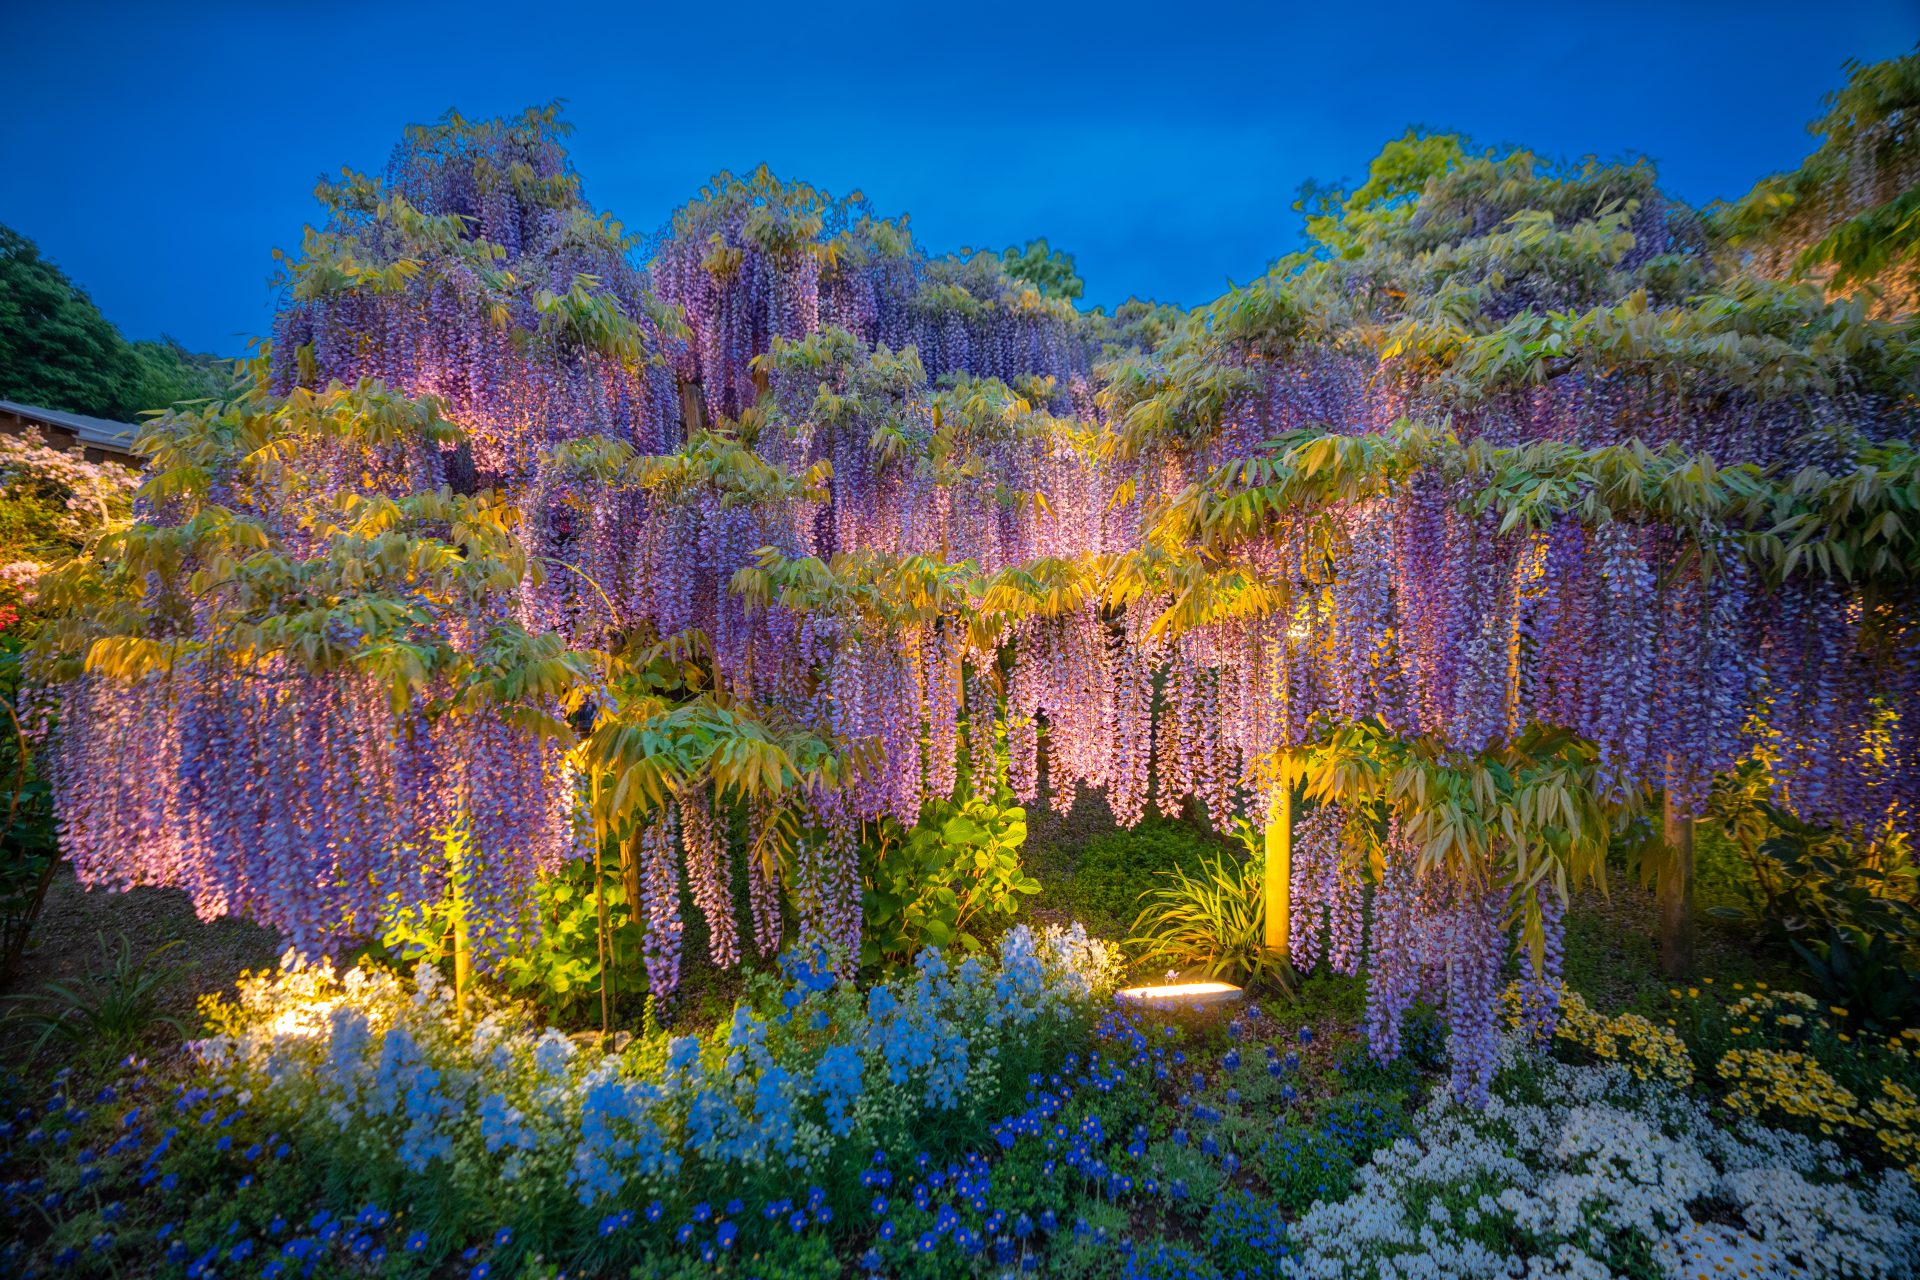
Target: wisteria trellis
{"type": "Point", "coordinates": [914, 508]}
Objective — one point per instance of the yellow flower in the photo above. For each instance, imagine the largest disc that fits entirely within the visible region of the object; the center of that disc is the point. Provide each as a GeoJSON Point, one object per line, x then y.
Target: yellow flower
{"type": "Point", "coordinates": [1836, 1011]}
{"type": "Point", "coordinates": [1647, 1051]}
{"type": "Point", "coordinates": [1898, 1109]}
{"type": "Point", "coordinates": [1788, 1082]}
{"type": "Point", "coordinates": [1693, 993]}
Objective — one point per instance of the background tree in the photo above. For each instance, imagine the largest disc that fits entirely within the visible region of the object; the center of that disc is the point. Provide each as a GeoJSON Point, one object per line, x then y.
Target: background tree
{"type": "Point", "coordinates": [1045, 268]}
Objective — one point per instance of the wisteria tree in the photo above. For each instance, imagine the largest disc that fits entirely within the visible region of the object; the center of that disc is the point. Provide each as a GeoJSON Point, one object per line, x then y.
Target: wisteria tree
{"type": "Point", "coordinates": [1515, 511]}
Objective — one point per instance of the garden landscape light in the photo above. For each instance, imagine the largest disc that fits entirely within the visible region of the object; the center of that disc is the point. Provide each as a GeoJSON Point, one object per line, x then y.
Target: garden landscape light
{"type": "Point", "coordinates": [1190, 995]}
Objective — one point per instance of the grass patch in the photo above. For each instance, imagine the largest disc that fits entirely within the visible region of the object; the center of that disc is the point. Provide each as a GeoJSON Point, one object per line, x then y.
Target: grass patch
{"type": "Point", "coordinates": [1100, 883]}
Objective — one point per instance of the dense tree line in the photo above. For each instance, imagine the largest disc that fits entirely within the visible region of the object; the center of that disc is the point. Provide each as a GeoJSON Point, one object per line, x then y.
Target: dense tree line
{"type": "Point", "coordinates": [57, 351]}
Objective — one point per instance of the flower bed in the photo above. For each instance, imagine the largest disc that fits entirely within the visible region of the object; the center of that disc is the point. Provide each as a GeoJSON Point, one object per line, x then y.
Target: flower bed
{"type": "Point", "coordinates": [990, 1117]}
{"type": "Point", "coordinates": [1589, 1171]}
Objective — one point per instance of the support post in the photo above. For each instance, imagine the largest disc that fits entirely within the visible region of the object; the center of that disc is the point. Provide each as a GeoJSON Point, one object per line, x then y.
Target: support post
{"type": "Point", "coordinates": [454, 844]}
{"type": "Point", "coordinates": [1279, 868]}
{"type": "Point", "coordinates": [693, 408]}
{"type": "Point", "coordinates": [1676, 891]}
{"type": "Point", "coordinates": [462, 958]}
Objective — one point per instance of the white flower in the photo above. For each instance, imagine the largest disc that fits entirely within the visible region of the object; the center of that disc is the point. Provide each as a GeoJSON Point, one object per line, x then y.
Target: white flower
{"type": "Point", "coordinates": [1609, 1167]}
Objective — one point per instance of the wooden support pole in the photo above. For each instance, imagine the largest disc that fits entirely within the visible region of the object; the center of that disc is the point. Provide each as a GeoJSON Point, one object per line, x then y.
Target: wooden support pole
{"type": "Point", "coordinates": [462, 958]}
{"type": "Point", "coordinates": [454, 846]}
{"type": "Point", "coordinates": [1676, 891]}
{"type": "Point", "coordinates": [693, 408]}
{"type": "Point", "coordinates": [1279, 869]}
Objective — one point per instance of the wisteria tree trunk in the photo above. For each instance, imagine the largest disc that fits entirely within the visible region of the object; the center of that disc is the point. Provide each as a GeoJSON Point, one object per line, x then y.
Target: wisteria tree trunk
{"type": "Point", "coordinates": [1676, 891]}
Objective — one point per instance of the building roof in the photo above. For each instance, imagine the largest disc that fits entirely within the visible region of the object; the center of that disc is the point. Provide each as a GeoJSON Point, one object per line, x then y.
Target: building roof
{"type": "Point", "coordinates": [102, 433]}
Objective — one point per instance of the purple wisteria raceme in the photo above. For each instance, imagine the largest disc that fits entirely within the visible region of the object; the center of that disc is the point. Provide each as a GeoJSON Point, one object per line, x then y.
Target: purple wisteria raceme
{"type": "Point", "coordinates": [710, 874]}
{"type": "Point", "coordinates": [657, 850]}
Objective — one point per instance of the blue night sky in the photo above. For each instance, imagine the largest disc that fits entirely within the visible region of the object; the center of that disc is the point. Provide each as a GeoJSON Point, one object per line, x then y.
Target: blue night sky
{"type": "Point", "coordinates": [159, 156]}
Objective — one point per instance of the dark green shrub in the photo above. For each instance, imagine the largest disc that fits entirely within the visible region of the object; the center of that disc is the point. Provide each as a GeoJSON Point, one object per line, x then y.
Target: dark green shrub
{"type": "Point", "coordinates": [939, 883]}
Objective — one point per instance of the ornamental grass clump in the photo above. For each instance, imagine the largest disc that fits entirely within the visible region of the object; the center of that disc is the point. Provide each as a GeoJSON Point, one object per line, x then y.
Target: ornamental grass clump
{"type": "Point", "coordinates": [1212, 922]}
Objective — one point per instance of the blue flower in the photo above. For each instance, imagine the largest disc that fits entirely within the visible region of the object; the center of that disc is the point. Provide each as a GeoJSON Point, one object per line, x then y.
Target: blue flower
{"type": "Point", "coordinates": [417, 1242]}
{"type": "Point", "coordinates": [726, 1235]}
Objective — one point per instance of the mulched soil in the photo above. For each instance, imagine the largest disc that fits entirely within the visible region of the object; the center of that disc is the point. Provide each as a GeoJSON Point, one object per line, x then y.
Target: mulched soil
{"type": "Point", "coordinates": [79, 932]}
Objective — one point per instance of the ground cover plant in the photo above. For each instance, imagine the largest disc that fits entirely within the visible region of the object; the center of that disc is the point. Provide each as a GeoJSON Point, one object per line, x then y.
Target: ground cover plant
{"type": "Point", "coordinates": [684, 654]}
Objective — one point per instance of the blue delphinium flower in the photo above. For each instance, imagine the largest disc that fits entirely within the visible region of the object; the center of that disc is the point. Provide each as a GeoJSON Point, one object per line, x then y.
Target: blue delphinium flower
{"type": "Point", "coordinates": [839, 1078]}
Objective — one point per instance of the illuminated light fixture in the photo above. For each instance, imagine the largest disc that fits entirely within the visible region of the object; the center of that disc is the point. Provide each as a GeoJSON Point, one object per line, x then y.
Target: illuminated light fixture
{"type": "Point", "coordinates": [1191, 995]}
